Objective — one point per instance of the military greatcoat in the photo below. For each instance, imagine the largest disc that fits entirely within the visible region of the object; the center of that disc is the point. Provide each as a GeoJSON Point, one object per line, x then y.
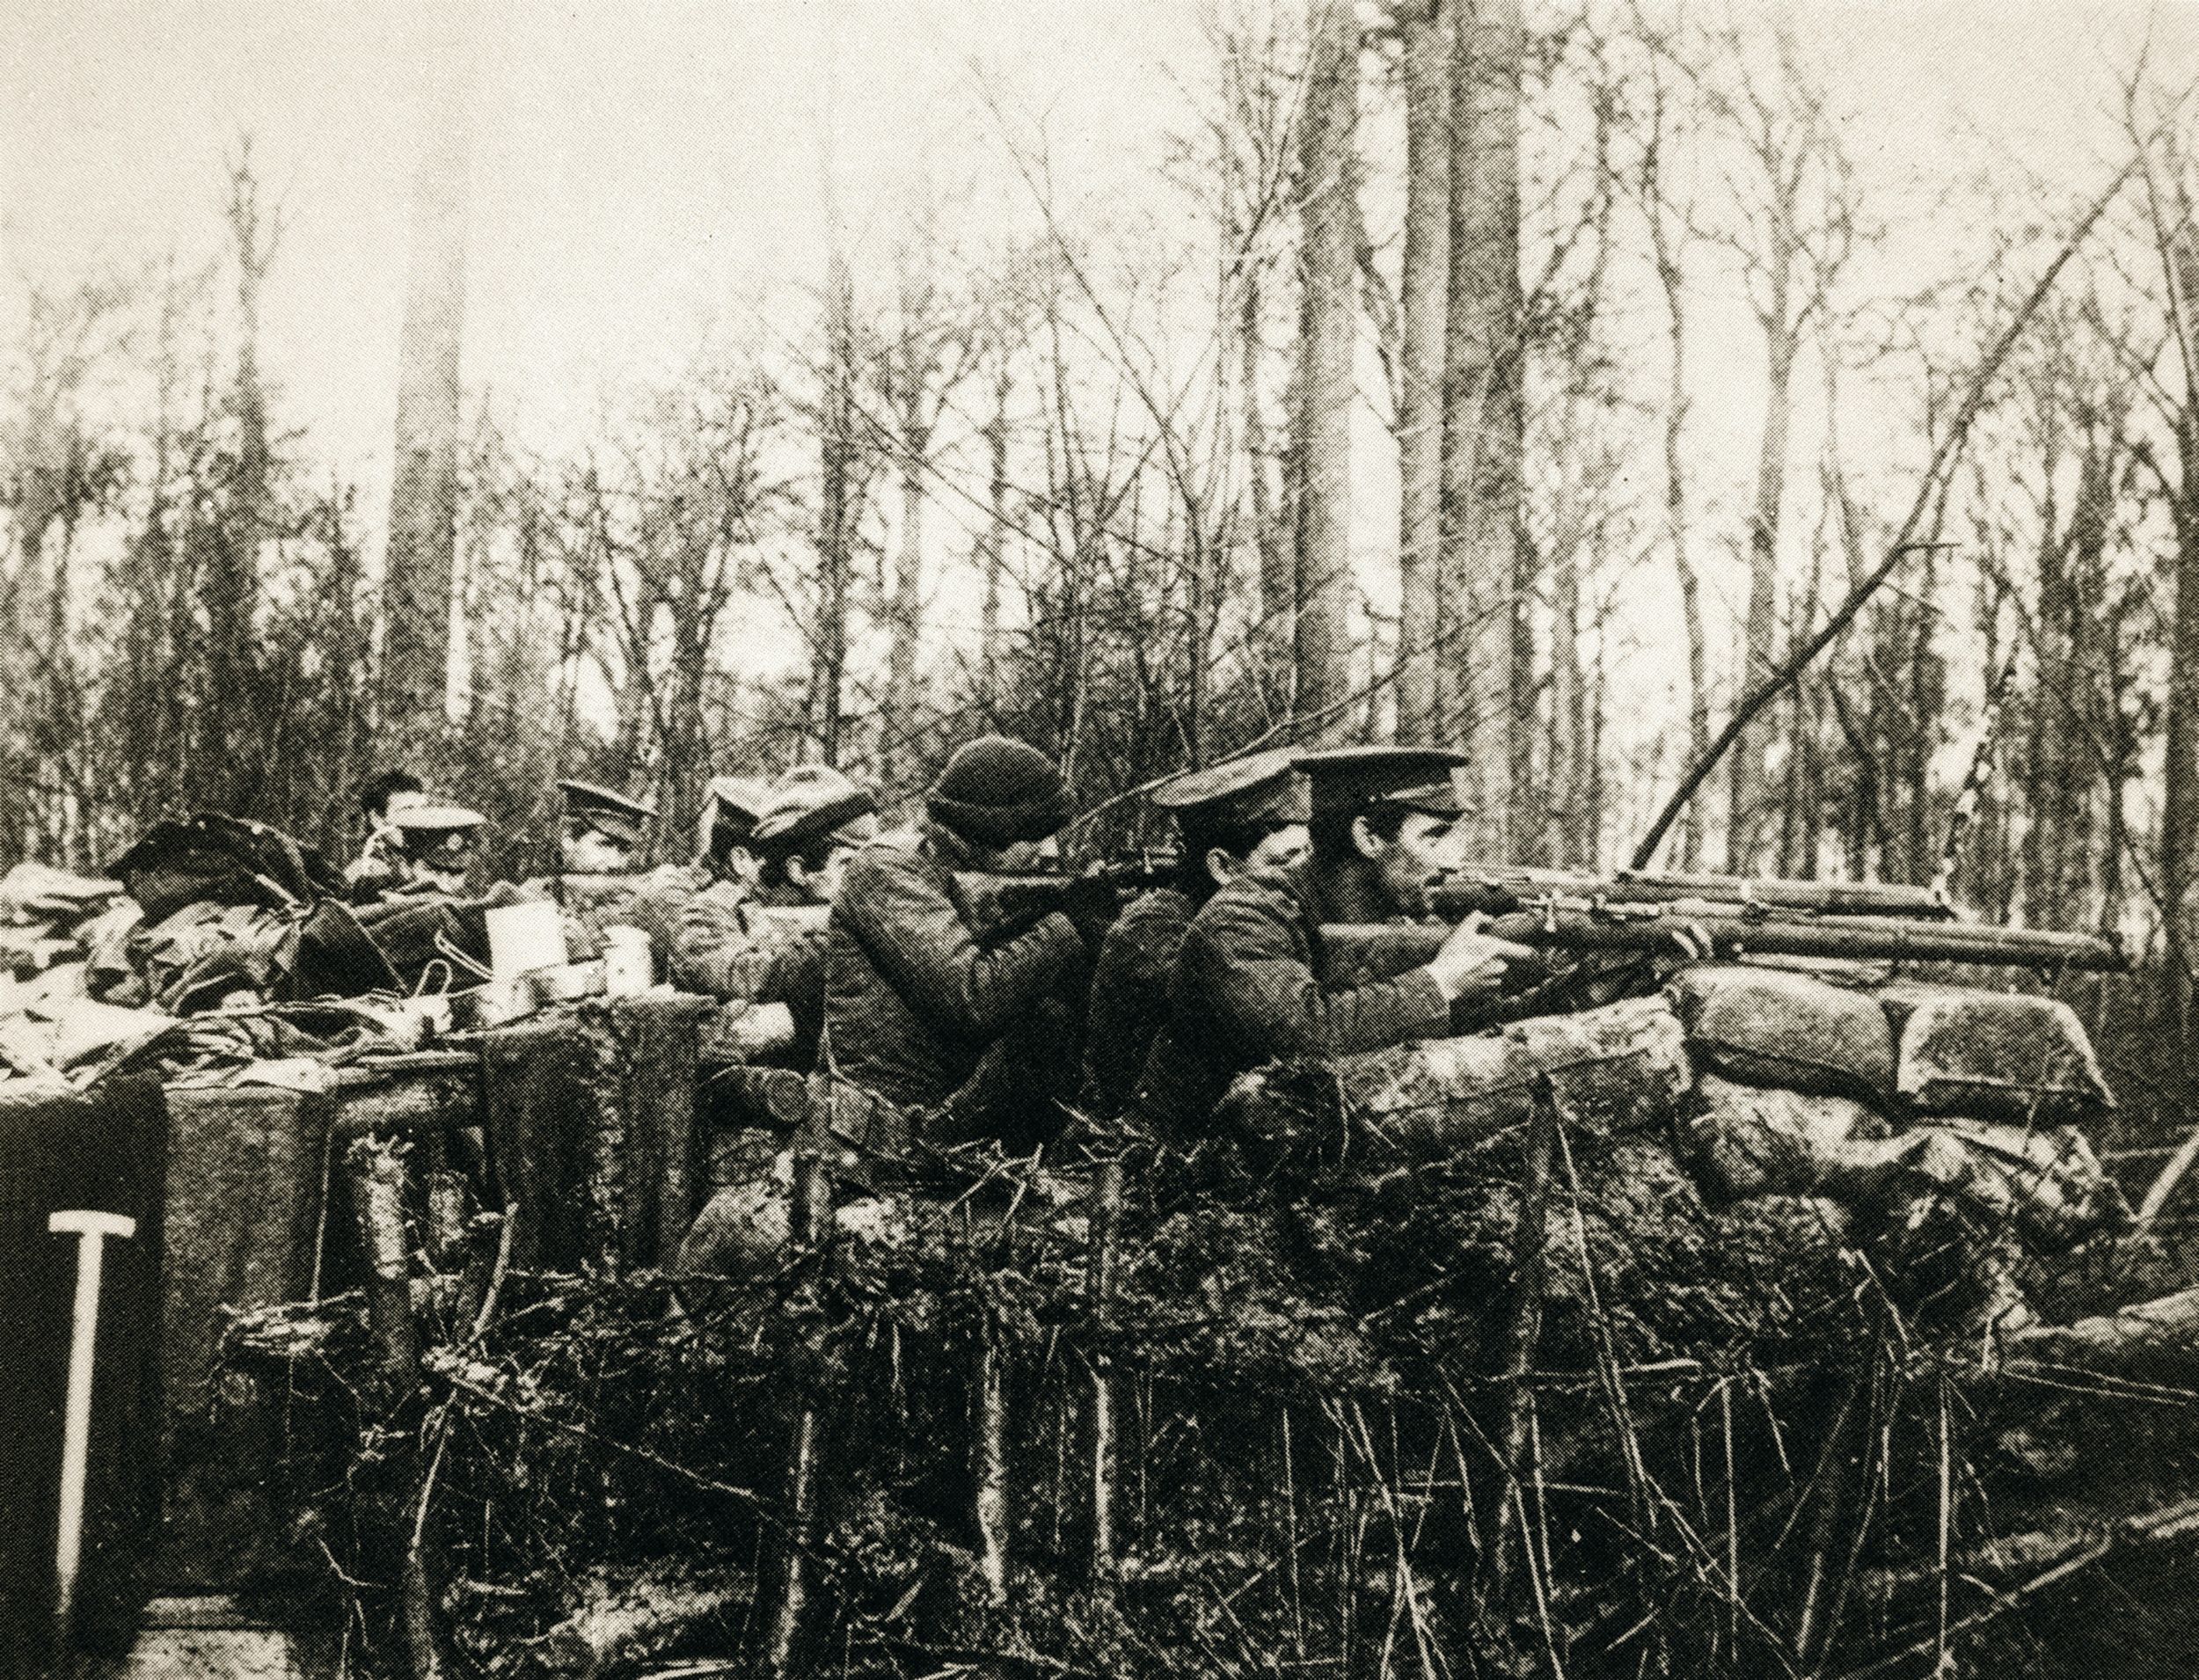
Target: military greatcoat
{"type": "Point", "coordinates": [1129, 997]}
{"type": "Point", "coordinates": [1250, 985]}
{"type": "Point", "coordinates": [912, 999]}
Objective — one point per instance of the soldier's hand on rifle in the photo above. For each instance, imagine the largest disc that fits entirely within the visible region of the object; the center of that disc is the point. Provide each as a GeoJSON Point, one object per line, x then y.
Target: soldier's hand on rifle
{"type": "Point", "coordinates": [1092, 903]}
{"type": "Point", "coordinates": [1473, 960]}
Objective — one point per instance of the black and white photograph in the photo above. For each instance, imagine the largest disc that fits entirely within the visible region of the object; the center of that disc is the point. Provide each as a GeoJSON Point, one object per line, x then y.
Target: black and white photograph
{"type": "Point", "coordinates": [1099, 839]}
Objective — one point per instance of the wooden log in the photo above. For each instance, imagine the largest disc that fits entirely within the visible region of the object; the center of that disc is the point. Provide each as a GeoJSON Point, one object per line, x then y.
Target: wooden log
{"type": "Point", "coordinates": [376, 1169]}
{"type": "Point", "coordinates": [1621, 1068]}
{"type": "Point", "coordinates": [622, 1623]}
{"type": "Point", "coordinates": [2155, 1340]}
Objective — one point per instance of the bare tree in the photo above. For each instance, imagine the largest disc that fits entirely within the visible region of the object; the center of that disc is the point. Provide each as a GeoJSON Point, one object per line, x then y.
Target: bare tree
{"type": "Point", "coordinates": [1669, 222]}
{"type": "Point", "coordinates": [1484, 420]}
{"type": "Point", "coordinates": [1425, 30]}
{"type": "Point", "coordinates": [424, 494]}
{"type": "Point", "coordinates": [1794, 226]}
{"type": "Point", "coordinates": [930, 348]}
{"type": "Point", "coordinates": [1328, 208]}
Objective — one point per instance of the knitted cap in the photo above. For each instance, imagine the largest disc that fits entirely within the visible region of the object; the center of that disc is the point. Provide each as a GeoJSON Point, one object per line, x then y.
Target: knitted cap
{"type": "Point", "coordinates": [809, 801]}
{"type": "Point", "coordinates": [996, 791]}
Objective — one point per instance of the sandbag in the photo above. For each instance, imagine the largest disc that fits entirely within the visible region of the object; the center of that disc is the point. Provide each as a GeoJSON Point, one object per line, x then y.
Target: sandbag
{"type": "Point", "coordinates": [1763, 1026]}
{"type": "Point", "coordinates": [1993, 1055]}
{"type": "Point", "coordinates": [1745, 1141]}
{"type": "Point", "coordinates": [1621, 1067]}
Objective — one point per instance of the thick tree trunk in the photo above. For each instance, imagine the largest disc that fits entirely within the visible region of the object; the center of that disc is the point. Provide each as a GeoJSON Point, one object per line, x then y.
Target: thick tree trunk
{"type": "Point", "coordinates": [1328, 203]}
{"type": "Point", "coordinates": [2179, 784]}
{"type": "Point", "coordinates": [1420, 363]}
{"type": "Point", "coordinates": [424, 496]}
{"type": "Point", "coordinates": [1483, 422]}
{"type": "Point", "coordinates": [1270, 513]}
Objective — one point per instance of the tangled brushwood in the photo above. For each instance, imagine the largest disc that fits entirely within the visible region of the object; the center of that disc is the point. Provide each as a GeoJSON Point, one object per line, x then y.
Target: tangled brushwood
{"type": "Point", "coordinates": [1570, 1350]}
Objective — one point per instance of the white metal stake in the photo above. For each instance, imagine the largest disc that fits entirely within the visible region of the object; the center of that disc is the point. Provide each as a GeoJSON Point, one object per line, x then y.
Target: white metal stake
{"type": "Point", "coordinates": [90, 1229]}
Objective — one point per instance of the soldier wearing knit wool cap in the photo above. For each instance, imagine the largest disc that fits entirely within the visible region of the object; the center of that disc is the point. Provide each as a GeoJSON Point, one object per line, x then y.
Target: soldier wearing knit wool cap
{"type": "Point", "coordinates": [939, 1024]}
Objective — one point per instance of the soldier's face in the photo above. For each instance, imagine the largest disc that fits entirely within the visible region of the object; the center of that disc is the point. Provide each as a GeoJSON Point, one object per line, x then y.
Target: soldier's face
{"type": "Point", "coordinates": [820, 885]}
{"type": "Point", "coordinates": [1279, 847]}
{"type": "Point", "coordinates": [1423, 850]}
{"type": "Point", "coordinates": [588, 851]}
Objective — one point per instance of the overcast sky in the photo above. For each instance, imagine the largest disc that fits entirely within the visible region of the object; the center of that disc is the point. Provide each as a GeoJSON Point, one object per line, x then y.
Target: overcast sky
{"type": "Point", "coordinates": [644, 168]}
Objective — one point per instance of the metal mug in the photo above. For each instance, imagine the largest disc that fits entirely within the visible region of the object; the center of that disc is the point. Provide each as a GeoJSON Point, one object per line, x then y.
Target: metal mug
{"type": "Point", "coordinates": [629, 962]}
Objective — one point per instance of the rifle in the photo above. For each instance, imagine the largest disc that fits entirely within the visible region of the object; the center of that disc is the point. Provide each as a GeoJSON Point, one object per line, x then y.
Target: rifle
{"type": "Point", "coordinates": [1729, 930]}
{"type": "Point", "coordinates": [1007, 902]}
{"type": "Point", "coordinates": [1499, 890]}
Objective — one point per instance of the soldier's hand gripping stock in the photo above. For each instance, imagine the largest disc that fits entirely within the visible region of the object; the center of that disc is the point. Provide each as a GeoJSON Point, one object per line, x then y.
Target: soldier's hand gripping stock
{"type": "Point", "coordinates": [1472, 961]}
{"type": "Point", "coordinates": [1092, 903]}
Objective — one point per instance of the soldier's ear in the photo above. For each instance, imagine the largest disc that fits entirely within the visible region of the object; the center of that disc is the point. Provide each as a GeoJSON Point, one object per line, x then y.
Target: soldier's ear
{"type": "Point", "coordinates": [1364, 840]}
{"type": "Point", "coordinates": [1220, 865]}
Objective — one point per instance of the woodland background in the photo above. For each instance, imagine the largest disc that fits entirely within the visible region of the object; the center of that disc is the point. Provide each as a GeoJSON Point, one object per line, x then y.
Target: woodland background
{"type": "Point", "coordinates": [1588, 312]}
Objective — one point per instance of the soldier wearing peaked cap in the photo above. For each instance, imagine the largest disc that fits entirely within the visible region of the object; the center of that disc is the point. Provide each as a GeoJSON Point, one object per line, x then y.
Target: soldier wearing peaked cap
{"type": "Point", "coordinates": [1248, 813]}
{"type": "Point", "coordinates": [768, 945]}
{"type": "Point", "coordinates": [422, 847]}
{"type": "Point", "coordinates": [599, 881]}
{"type": "Point", "coordinates": [1252, 981]}
{"type": "Point", "coordinates": [604, 831]}
{"type": "Point", "coordinates": [731, 806]}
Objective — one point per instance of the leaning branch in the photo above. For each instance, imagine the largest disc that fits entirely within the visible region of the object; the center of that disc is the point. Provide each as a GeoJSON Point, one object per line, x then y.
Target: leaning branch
{"type": "Point", "coordinates": [1906, 543]}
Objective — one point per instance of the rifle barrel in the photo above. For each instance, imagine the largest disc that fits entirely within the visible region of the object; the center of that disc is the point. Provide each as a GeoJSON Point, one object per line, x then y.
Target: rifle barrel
{"type": "Point", "coordinates": [1858, 938]}
{"type": "Point", "coordinates": [1511, 886]}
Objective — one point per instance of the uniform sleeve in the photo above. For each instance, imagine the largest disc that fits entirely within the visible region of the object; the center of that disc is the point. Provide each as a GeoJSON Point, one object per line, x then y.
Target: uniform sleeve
{"type": "Point", "coordinates": [912, 932]}
{"type": "Point", "coordinates": [711, 952]}
{"type": "Point", "coordinates": [1245, 962]}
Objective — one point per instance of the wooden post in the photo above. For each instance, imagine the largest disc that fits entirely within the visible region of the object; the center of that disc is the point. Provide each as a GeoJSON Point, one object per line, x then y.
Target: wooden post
{"type": "Point", "coordinates": [809, 1227]}
{"type": "Point", "coordinates": [376, 1168]}
{"type": "Point", "coordinates": [992, 1463]}
{"type": "Point", "coordinates": [1522, 1326]}
{"type": "Point", "coordinates": [1106, 1222]}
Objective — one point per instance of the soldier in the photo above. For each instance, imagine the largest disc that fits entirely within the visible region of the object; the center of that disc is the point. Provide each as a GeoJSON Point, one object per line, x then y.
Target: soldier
{"type": "Point", "coordinates": [1249, 813]}
{"type": "Point", "coordinates": [731, 806]}
{"type": "Point", "coordinates": [598, 881]}
{"type": "Point", "coordinates": [603, 831]}
{"type": "Point", "coordinates": [813, 822]}
{"type": "Point", "coordinates": [376, 867]}
{"type": "Point", "coordinates": [953, 1037]}
{"type": "Point", "coordinates": [429, 852]}
{"type": "Point", "coordinates": [1250, 982]}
